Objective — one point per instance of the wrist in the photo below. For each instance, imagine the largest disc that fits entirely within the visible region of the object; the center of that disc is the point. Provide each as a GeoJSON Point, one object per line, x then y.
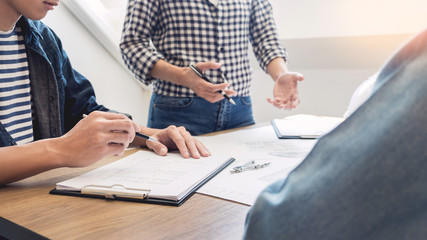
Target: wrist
{"type": "Point", "coordinates": [55, 154]}
{"type": "Point", "coordinates": [180, 75]}
{"type": "Point", "coordinates": [277, 68]}
{"type": "Point", "coordinates": [278, 75]}
{"type": "Point", "coordinates": [166, 71]}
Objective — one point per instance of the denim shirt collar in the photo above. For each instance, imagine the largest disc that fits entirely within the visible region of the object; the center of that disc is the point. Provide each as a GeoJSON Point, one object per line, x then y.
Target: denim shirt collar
{"type": "Point", "coordinates": [32, 35]}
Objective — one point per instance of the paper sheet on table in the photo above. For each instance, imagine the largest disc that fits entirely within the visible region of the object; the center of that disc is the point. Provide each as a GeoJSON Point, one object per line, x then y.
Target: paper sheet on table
{"type": "Point", "coordinates": [304, 126]}
{"type": "Point", "coordinates": [169, 177]}
{"type": "Point", "coordinates": [260, 145]}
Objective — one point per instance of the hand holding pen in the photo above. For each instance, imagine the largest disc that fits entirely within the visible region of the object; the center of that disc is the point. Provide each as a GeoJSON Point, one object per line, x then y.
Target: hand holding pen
{"type": "Point", "coordinates": [225, 93]}
{"type": "Point", "coordinates": [111, 125]}
{"type": "Point", "coordinates": [137, 134]}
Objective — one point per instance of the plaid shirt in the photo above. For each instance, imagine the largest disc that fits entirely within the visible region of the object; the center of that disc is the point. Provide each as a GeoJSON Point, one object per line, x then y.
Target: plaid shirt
{"type": "Point", "coordinates": [184, 32]}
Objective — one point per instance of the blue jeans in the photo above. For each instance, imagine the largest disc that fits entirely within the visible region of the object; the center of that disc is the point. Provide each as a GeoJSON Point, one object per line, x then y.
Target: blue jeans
{"type": "Point", "coordinates": [197, 115]}
{"type": "Point", "coordinates": [366, 179]}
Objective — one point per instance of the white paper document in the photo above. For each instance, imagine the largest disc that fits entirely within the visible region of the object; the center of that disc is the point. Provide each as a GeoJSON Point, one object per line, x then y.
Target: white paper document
{"type": "Point", "coordinates": [169, 177]}
{"type": "Point", "coordinates": [261, 146]}
{"type": "Point", "coordinates": [304, 126]}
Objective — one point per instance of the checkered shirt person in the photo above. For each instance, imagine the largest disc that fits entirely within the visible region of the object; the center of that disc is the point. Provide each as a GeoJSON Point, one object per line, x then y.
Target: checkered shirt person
{"type": "Point", "coordinates": [185, 32]}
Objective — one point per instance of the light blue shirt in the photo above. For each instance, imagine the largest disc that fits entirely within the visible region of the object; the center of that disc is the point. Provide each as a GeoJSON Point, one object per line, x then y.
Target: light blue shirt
{"type": "Point", "coordinates": [367, 178]}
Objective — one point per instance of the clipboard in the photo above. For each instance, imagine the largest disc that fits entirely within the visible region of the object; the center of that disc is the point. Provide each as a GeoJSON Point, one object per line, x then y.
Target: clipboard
{"type": "Point", "coordinates": [122, 193]}
{"type": "Point", "coordinates": [283, 134]}
{"type": "Point", "coordinates": [304, 126]}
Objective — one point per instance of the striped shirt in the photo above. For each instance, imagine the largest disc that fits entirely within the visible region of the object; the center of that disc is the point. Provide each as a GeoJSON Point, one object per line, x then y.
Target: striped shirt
{"type": "Point", "coordinates": [185, 32]}
{"type": "Point", "coordinates": [15, 97]}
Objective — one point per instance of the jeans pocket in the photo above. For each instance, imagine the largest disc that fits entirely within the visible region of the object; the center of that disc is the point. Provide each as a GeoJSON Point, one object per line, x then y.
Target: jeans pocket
{"type": "Point", "coordinates": [171, 103]}
{"type": "Point", "coordinates": [247, 101]}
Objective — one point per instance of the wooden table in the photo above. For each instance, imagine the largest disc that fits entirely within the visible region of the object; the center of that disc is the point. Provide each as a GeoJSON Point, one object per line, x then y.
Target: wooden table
{"type": "Point", "coordinates": [28, 203]}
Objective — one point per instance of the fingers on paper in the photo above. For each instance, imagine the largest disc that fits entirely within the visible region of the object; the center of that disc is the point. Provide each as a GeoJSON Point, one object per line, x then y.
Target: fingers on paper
{"type": "Point", "coordinates": [179, 136]}
{"type": "Point", "coordinates": [203, 150]}
{"type": "Point", "coordinates": [187, 145]}
{"type": "Point", "coordinates": [157, 147]}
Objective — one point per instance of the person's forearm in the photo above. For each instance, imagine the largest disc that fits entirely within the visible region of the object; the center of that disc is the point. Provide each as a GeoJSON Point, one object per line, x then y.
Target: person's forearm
{"type": "Point", "coordinates": [277, 67]}
{"type": "Point", "coordinates": [166, 71]}
{"type": "Point", "coordinates": [19, 162]}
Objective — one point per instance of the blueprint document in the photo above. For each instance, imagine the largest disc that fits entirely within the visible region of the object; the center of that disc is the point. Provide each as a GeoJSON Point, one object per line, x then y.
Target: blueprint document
{"type": "Point", "coordinates": [255, 144]}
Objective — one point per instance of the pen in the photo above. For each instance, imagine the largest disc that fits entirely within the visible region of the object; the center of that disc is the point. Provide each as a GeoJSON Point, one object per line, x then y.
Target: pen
{"type": "Point", "coordinates": [198, 72]}
{"type": "Point", "coordinates": [146, 137]}
{"type": "Point", "coordinates": [141, 135]}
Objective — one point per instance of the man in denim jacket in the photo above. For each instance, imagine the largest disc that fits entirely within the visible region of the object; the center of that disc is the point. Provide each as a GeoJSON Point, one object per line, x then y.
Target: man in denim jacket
{"type": "Point", "coordinates": [367, 178]}
{"type": "Point", "coordinates": [60, 97]}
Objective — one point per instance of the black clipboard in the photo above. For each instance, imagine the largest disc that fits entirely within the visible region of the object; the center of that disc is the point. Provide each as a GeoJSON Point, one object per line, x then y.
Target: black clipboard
{"type": "Point", "coordinates": [146, 199]}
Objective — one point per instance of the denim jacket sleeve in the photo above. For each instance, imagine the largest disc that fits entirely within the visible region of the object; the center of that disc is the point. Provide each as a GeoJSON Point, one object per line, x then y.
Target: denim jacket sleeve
{"type": "Point", "coordinates": [60, 95]}
{"type": "Point", "coordinates": [73, 93]}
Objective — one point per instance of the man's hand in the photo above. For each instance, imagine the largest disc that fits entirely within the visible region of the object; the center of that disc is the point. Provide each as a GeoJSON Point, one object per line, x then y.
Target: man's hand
{"type": "Point", "coordinates": [172, 138]}
{"type": "Point", "coordinates": [96, 136]}
{"type": "Point", "coordinates": [185, 76]}
{"type": "Point", "coordinates": [285, 91]}
{"type": "Point", "coordinates": [202, 88]}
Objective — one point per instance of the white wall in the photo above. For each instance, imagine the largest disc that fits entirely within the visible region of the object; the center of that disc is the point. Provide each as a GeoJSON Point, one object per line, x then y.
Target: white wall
{"type": "Point", "coordinates": [335, 44]}
{"type": "Point", "coordinates": [333, 68]}
{"type": "Point", "coordinates": [114, 86]}
{"type": "Point", "coordinates": [334, 18]}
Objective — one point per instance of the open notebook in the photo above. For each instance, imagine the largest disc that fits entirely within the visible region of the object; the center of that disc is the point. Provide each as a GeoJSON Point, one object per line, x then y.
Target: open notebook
{"type": "Point", "coordinates": [145, 177]}
{"type": "Point", "coordinates": [304, 126]}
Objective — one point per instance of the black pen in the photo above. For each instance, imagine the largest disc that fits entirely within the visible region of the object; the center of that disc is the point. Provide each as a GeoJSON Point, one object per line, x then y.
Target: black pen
{"type": "Point", "coordinates": [141, 135]}
{"type": "Point", "coordinates": [198, 72]}
{"type": "Point", "coordinates": [146, 137]}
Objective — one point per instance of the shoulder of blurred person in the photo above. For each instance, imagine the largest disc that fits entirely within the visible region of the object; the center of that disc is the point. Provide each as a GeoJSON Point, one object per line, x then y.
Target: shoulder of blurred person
{"type": "Point", "coordinates": [365, 179]}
